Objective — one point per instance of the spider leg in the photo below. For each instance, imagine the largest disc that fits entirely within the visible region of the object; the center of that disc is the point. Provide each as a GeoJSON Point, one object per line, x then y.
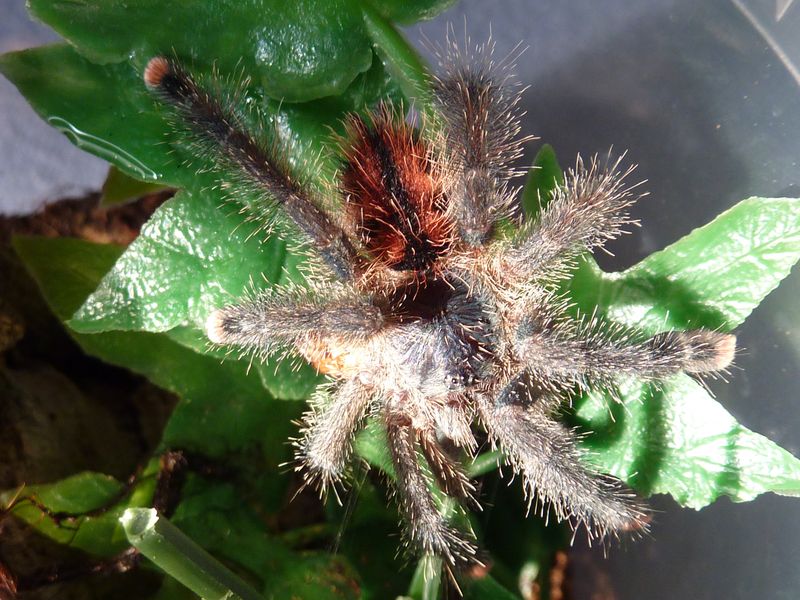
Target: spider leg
{"type": "Point", "coordinates": [324, 449]}
{"type": "Point", "coordinates": [585, 212]}
{"type": "Point", "coordinates": [222, 132]}
{"type": "Point", "coordinates": [447, 472]}
{"type": "Point", "coordinates": [544, 453]}
{"type": "Point", "coordinates": [561, 353]}
{"type": "Point", "coordinates": [478, 101]}
{"type": "Point", "coordinates": [425, 527]}
{"type": "Point", "coordinates": [270, 319]}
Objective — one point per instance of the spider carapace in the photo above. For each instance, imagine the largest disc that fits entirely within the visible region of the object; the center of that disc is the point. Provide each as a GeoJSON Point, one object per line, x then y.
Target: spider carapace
{"type": "Point", "coordinates": [424, 314]}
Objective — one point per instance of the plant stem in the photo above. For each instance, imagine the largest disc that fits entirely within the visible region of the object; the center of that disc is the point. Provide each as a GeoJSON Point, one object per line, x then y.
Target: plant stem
{"type": "Point", "coordinates": [401, 60]}
{"type": "Point", "coordinates": [485, 463]}
{"type": "Point", "coordinates": [180, 557]}
{"type": "Point", "coordinates": [427, 579]}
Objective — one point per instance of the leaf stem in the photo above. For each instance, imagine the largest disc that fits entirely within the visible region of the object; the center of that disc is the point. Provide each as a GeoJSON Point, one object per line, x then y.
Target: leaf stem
{"type": "Point", "coordinates": [427, 579]}
{"type": "Point", "coordinates": [485, 463]}
{"type": "Point", "coordinates": [400, 59]}
{"type": "Point", "coordinates": [180, 557]}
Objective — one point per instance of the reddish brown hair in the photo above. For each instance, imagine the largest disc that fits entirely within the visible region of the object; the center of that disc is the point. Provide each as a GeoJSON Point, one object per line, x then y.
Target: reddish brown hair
{"type": "Point", "coordinates": [394, 193]}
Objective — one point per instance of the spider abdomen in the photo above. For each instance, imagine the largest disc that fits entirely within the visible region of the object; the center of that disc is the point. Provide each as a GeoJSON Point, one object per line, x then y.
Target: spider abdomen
{"type": "Point", "coordinates": [394, 193]}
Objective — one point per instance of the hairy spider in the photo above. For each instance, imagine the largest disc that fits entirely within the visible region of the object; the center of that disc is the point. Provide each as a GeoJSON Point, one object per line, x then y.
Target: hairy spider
{"type": "Point", "coordinates": [420, 312]}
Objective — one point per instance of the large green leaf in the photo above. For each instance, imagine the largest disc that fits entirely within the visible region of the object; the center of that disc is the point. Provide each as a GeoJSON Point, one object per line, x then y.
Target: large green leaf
{"type": "Point", "coordinates": [104, 110]}
{"type": "Point", "coordinates": [714, 277]}
{"type": "Point", "coordinates": [190, 258]}
{"type": "Point", "coordinates": [678, 440]}
{"type": "Point", "coordinates": [297, 50]}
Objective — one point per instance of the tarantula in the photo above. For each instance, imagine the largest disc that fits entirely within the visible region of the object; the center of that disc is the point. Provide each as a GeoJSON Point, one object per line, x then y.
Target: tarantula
{"type": "Point", "coordinates": [421, 313]}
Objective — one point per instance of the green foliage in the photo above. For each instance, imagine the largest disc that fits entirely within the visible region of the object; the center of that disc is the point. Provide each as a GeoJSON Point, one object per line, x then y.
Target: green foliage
{"type": "Point", "coordinates": [70, 499]}
{"type": "Point", "coordinates": [298, 51]}
{"type": "Point", "coordinates": [118, 188]}
{"type": "Point", "coordinates": [144, 307]}
{"type": "Point", "coordinates": [543, 178]}
{"type": "Point", "coordinates": [105, 109]}
{"type": "Point", "coordinates": [713, 277]}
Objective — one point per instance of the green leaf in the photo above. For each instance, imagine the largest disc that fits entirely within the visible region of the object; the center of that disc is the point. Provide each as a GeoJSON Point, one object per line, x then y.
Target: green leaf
{"type": "Point", "coordinates": [372, 446]}
{"type": "Point", "coordinates": [290, 379]}
{"type": "Point", "coordinates": [316, 575]}
{"type": "Point", "coordinates": [223, 409]}
{"type": "Point", "coordinates": [714, 277]}
{"type": "Point", "coordinates": [297, 51]}
{"type": "Point", "coordinates": [487, 588]}
{"type": "Point", "coordinates": [678, 440]}
{"type": "Point", "coordinates": [190, 258]}
{"type": "Point", "coordinates": [410, 11]}
{"type": "Point", "coordinates": [97, 532]}
{"type": "Point", "coordinates": [104, 110]}
{"type": "Point", "coordinates": [401, 61]}
{"type": "Point", "coordinates": [210, 259]}
{"type": "Point", "coordinates": [66, 269]}
{"type": "Point", "coordinates": [119, 188]}
{"type": "Point", "coordinates": [543, 178]}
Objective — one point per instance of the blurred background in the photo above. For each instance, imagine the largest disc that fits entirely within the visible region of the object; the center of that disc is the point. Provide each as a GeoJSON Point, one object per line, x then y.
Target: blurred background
{"type": "Point", "coordinates": [705, 97]}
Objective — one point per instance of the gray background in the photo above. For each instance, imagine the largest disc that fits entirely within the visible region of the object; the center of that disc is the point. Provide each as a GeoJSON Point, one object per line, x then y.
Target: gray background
{"type": "Point", "coordinates": [705, 96]}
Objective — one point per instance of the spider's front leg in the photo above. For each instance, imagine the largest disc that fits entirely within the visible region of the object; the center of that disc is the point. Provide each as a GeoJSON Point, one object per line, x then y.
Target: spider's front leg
{"type": "Point", "coordinates": [302, 320]}
{"type": "Point", "coordinates": [426, 528]}
{"type": "Point", "coordinates": [478, 101]}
